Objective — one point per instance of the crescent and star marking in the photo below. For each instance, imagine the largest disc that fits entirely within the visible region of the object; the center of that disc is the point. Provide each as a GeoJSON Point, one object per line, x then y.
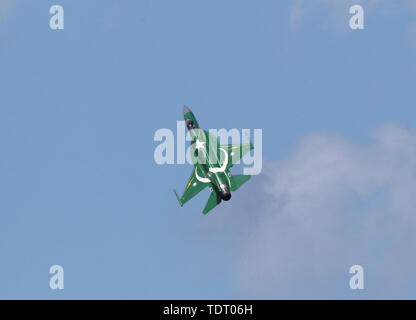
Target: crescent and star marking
{"type": "Point", "coordinates": [224, 165]}
{"type": "Point", "coordinates": [204, 180]}
{"type": "Point", "coordinates": [214, 170]}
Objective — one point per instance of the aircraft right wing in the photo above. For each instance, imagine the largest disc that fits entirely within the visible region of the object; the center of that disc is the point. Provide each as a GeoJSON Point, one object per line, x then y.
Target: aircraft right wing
{"type": "Point", "coordinates": [193, 187]}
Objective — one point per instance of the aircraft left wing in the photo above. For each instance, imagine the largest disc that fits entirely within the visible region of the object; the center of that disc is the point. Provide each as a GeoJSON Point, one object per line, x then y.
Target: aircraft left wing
{"type": "Point", "coordinates": [193, 187]}
{"type": "Point", "coordinates": [236, 152]}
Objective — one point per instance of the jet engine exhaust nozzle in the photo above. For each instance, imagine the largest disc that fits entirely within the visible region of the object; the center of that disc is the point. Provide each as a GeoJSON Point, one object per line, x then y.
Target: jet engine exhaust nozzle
{"type": "Point", "coordinates": [225, 193]}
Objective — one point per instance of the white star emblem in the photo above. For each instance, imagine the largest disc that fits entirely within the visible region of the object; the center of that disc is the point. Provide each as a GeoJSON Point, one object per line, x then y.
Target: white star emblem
{"type": "Point", "coordinates": [199, 144]}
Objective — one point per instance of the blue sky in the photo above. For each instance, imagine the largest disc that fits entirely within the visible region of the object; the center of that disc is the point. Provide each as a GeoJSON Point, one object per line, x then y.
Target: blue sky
{"type": "Point", "coordinates": [79, 186]}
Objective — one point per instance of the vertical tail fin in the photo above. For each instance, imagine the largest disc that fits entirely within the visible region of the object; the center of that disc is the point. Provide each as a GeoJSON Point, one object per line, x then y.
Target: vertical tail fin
{"type": "Point", "coordinates": [238, 180]}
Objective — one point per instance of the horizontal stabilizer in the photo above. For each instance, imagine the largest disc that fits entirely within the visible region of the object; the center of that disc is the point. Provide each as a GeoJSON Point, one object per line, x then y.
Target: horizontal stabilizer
{"type": "Point", "coordinates": [213, 201]}
{"type": "Point", "coordinates": [238, 180]}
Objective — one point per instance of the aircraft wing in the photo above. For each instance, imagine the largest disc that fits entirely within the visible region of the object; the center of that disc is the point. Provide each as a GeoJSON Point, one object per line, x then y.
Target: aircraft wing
{"type": "Point", "coordinates": [193, 187]}
{"type": "Point", "coordinates": [236, 152]}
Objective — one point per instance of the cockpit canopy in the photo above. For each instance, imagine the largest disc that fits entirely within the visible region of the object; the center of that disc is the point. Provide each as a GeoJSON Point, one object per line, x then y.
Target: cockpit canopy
{"type": "Point", "coordinates": [190, 124]}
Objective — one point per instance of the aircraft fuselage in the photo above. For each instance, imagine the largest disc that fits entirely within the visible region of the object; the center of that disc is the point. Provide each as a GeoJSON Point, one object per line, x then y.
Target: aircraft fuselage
{"type": "Point", "coordinates": [211, 166]}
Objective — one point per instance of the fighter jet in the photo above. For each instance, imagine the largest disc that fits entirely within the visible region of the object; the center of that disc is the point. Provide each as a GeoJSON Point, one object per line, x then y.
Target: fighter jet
{"type": "Point", "coordinates": [212, 163]}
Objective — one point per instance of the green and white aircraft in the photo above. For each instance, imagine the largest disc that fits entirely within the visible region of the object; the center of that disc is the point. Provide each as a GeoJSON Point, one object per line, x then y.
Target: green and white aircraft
{"type": "Point", "coordinates": [212, 163]}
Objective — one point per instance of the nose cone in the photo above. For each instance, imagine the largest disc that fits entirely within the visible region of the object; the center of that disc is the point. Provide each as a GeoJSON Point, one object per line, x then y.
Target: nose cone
{"type": "Point", "coordinates": [186, 110]}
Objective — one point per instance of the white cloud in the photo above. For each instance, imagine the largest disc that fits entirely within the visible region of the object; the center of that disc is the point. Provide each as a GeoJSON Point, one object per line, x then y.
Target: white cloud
{"type": "Point", "coordinates": [295, 231]}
